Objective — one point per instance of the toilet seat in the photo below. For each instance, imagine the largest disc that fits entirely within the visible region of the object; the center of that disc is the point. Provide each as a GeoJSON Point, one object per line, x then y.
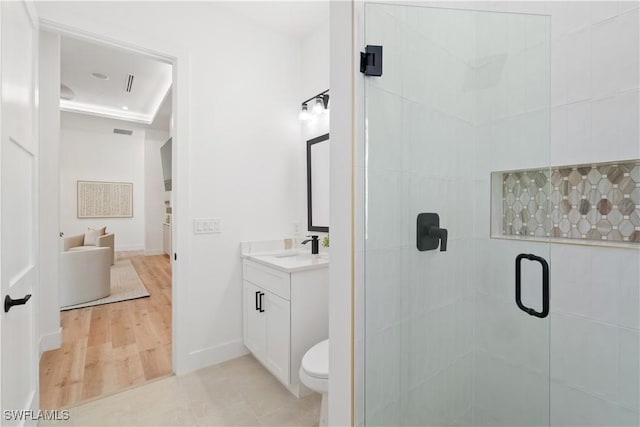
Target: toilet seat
{"type": "Point", "coordinates": [316, 360]}
{"type": "Point", "coordinates": [314, 370]}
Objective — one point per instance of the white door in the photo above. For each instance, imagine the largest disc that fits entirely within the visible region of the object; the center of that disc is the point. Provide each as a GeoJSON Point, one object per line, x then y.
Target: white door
{"type": "Point", "coordinates": [18, 209]}
{"type": "Point", "coordinates": [255, 321]}
{"type": "Point", "coordinates": [278, 322]}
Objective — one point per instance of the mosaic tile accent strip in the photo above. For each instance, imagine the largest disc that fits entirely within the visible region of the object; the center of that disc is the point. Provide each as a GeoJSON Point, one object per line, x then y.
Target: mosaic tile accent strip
{"type": "Point", "coordinates": [598, 202]}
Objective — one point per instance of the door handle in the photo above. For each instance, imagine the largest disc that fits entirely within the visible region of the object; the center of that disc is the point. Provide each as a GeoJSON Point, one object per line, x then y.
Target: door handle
{"type": "Point", "coordinates": [10, 302]}
{"type": "Point", "coordinates": [545, 286]}
{"type": "Point", "coordinates": [261, 309]}
{"type": "Point", "coordinates": [257, 300]}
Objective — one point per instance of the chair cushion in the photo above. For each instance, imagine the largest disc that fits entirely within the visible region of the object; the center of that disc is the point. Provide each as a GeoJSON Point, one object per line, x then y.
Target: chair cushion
{"type": "Point", "coordinates": [92, 234]}
{"type": "Point", "coordinates": [83, 248]}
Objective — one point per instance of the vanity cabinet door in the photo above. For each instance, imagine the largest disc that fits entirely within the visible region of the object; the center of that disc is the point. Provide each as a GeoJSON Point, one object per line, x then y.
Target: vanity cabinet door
{"type": "Point", "coordinates": [255, 321]}
{"type": "Point", "coordinates": [278, 333]}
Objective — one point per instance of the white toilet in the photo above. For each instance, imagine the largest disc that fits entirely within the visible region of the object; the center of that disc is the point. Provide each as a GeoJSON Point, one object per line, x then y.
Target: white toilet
{"type": "Point", "coordinates": [314, 373]}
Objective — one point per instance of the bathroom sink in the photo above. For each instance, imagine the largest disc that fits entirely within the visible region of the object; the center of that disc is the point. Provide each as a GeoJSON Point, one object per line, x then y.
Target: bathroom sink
{"type": "Point", "coordinates": [301, 256]}
{"type": "Point", "coordinates": [291, 260]}
{"type": "Point", "coordinates": [286, 255]}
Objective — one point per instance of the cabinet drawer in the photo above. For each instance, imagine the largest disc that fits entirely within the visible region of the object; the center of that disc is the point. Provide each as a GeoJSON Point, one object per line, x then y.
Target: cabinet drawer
{"type": "Point", "coordinates": [275, 281]}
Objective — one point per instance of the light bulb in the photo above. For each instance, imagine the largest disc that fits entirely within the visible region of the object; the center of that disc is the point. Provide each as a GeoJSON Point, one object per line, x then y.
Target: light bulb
{"type": "Point", "coordinates": [304, 113]}
{"type": "Point", "coordinates": [318, 106]}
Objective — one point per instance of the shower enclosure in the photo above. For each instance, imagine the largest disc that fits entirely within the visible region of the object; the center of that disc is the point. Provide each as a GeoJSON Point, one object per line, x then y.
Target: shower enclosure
{"type": "Point", "coordinates": [458, 285]}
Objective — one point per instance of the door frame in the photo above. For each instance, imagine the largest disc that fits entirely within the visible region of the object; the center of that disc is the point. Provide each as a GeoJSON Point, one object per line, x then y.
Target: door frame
{"type": "Point", "coordinates": [34, 401]}
{"type": "Point", "coordinates": [178, 57]}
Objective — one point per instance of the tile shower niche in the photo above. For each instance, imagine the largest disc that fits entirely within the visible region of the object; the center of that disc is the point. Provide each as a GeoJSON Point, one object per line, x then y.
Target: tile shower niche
{"type": "Point", "coordinates": [576, 204]}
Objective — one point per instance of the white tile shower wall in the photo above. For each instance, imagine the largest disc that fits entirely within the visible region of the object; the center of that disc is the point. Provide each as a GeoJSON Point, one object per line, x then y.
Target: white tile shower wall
{"type": "Point", "coordinates": [411, 122]}
{"type": "Point", "coordinates": [595, 298]}
{"type": "Point", "coordinates": [511, 349]}
{"type": "Point", "coordinates": [610, 96]}
{"type": "Point", "coordinates": [508, 345]}
{"type": "Point", "coordinates": [595, 291]}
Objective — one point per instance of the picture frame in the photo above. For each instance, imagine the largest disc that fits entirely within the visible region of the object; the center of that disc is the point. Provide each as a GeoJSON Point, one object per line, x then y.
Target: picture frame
{"type": "Point", "coordinates": [104, 199]}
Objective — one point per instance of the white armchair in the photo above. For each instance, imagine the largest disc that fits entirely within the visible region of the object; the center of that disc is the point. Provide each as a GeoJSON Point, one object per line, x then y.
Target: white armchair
{"type": "Point", "coordinates": [76, 243]}
{"type": "Point", "coordinates": [85, 275]}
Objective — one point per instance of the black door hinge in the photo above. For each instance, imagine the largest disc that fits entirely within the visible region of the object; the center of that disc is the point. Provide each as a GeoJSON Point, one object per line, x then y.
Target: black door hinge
{"type": "Point", "coordinates": [371, 61]}
{"type": "Point", "coordinates": [175, 256]}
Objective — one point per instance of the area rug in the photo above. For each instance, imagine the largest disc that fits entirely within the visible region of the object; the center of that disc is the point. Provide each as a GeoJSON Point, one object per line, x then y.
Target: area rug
{"type": "Point", "coordinates": [125, 285]}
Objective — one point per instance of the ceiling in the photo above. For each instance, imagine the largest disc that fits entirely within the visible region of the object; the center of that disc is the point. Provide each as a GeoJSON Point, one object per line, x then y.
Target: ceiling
{"type": "Point", "coordinates": [293, 18]}
{"type": "Point", "coordinates": [109, 97]}
{"type": "Point", "coordinates": [83, 93]}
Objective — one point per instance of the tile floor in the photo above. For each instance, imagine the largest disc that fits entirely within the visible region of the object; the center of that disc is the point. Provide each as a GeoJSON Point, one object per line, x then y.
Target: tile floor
{"type": "Point", "coordinates": [239, 392]}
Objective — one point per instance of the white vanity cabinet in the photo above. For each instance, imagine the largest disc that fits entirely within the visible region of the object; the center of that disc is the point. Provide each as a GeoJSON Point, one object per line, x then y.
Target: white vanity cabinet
{"type": "Point", "coordinates": [285, 313]}
{"type": "Point", "coordinates": [267, 329]}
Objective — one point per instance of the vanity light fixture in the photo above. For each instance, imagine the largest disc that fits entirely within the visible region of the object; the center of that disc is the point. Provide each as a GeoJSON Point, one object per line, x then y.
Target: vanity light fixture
{"type": "Point", "coordinates": [304, 113]}
{"type": "Point", "coordinates": [320, 104]}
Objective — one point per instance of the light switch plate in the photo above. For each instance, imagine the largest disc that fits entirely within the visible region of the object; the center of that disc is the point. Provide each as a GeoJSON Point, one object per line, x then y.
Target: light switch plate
{"type": "Point", "coordinates": [207, 225]}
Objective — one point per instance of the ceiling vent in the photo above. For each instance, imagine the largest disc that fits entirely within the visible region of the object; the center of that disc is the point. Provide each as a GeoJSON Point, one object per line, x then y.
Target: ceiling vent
{"type": "Point", "coordinates": [123, 131]}
{"type": "Point", "coordinates": [129, 85]}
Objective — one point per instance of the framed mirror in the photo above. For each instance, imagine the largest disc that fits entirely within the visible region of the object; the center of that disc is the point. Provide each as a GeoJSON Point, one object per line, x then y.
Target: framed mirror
{"type": "Point", "coordinates": [318, 183]}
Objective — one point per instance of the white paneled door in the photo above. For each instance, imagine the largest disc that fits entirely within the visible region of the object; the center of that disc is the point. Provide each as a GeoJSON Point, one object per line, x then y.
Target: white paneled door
{"type": "Point", "coordinates": [18, 207]}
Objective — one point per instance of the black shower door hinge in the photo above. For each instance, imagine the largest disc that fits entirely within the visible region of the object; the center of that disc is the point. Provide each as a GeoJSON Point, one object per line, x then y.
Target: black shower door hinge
{"type": "Point", "coordinates": [371, 61]}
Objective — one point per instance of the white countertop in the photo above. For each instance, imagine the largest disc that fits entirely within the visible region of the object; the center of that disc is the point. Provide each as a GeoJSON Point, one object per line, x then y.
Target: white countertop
{"type": "Point", "coordinates": [290, 260]}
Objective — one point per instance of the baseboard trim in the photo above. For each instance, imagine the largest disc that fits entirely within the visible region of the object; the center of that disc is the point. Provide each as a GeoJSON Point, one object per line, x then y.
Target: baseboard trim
{"type": "Point", "coordinates": [149, 252]}
{"type": "Point", "coordinates": [213, 355]}
{"type": "Point", "coordinates": [127, 248]}
{"type": "Point", "coordinates": [51, 341]}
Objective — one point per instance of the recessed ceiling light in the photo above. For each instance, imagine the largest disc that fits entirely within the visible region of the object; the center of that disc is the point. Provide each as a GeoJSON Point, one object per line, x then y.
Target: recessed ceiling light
{"type": "Point", "coordinates": [66, 92]}
{"type": "Point", "coordinates": [99, 76]}
{"type": "Point", "coordinates": [124, 107]}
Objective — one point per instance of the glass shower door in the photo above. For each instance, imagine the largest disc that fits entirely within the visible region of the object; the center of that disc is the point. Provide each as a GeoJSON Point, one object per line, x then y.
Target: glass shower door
{"type": "Point", "coordinates": [456, 189]}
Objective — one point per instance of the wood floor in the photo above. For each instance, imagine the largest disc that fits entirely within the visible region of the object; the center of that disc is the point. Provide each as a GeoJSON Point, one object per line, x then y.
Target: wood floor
{"type": "Point", "coordinates": [112, 347]}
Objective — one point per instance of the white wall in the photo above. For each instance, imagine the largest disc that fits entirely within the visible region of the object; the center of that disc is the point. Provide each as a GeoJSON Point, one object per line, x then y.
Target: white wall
{"type": "Point", "coordinates": [237, 130]}
{"type": "Point", "coordinates": [90, 151]}
{"type": "Point", "coordinates": [314, 79]}
{"type": "Point", "coordinates": [342, 251]}
{"type": "Point", "coordinates": [315, 62]}
{"type": "Point", "coordinates": [50, 336]}
{"type": "Point", "coordinates": [154, 194]}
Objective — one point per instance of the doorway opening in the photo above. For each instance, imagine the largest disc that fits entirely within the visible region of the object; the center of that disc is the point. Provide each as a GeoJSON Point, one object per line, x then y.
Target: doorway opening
{"type": "Point", "coordinates": [116, 150]}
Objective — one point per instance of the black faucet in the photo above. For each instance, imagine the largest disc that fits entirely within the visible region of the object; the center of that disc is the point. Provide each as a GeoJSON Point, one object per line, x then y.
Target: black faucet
{"type": "Point", "coordinates": [314, 244]}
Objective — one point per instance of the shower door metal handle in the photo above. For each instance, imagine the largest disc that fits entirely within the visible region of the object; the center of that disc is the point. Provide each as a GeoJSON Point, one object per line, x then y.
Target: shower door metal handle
{"type": "Point", "coordinates": [545, 286]}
